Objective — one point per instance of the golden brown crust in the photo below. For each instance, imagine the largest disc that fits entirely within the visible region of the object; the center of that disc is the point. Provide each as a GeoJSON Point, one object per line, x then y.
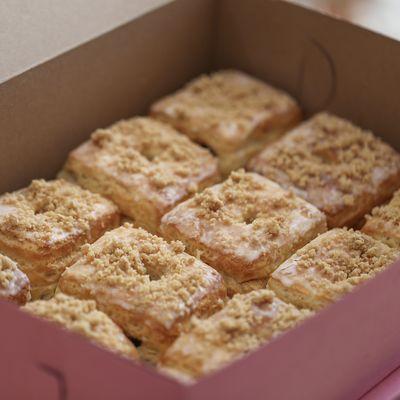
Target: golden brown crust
{"type": "Point", "coordinates": [234, 287]}
{"type": "Point", "coordinates": [336, 166]}
{"type": "Point", "coordinates": [146, 285]}
{"type": "Point", "coordinates": [384, 222]}
{"type": "Point", "coordinates": [43, 226]}
{"type": "Point", "coordinates": [14, 284]}
{"type": "Point", "coordinates": [231, 112]}
{"type": "Point", "coordinates": [245, 227]}
{"type": "Point", "coordinates": [330, 266]}
{"type": "Point", "coordinates": [144, 166]}
{"type": "Point", "coordinates": [148, 354]}
{"type": "Point", "coordinates": [237, 159]}
{"type": "Point", "coordinates": [82, 317]}
{"type": "Point", "coordinates": [244, 324]}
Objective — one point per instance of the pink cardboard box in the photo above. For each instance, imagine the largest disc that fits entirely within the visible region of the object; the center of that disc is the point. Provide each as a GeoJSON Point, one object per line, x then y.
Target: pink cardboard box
{"type": "Point", "coordinates": [388, 389]}
{"type": "Point", "coordinates": [342, 352]}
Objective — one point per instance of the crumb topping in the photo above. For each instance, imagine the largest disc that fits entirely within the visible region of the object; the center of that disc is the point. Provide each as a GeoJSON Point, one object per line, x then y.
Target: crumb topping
{"type": "Point", "coordinates": [82, 316]}
{"type": "Point", "coordinates": [247, 321]}
{"type": "Point", "coordinates": [48, 209]}
{"type": "Point", "coordinates": [261, 210]}
{"type": "Point", "coordinates": [328, 151]}
{"type": "Point", "coordinates": [151, 148]}
{"type": "Point", "coordinates": [8, 269]}
{"type": "Point", "coordinates": [244, 191]}
{"type": "Point", "coordinates": [231, 94]}
{"type": "Point", "coordinates": [153, 270]}
{"type": "Point", "coordinates": [389, 212]}
{"type": "Point", "coordinates": [226, 103]}
{"type": "Point", "coordinates": [14, 284]}
{"type": "Point", "coordinates": [345, 257]}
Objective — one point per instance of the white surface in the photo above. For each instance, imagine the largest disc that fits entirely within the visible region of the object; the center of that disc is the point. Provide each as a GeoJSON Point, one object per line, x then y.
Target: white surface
{"type": "Point", "coordinates": [382, 16]}
{"type": "Point", "coordinates": [33, 31]}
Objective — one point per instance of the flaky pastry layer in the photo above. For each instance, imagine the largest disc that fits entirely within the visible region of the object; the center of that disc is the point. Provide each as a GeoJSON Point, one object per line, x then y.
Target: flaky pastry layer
{"type": "Point", "coordinates": [244, 324]}
{"type": "Point", "coordinates": [43, 226]}
{"type": "Point", "coordinates": [330, 266]}
{"type": "Point", "coordinates": [333, 164]}
{"type": "Point", "coordinates": [245, 227]}
{"type": "Point", "coordinates": [147, 286]}
{"type": "Point", "coordinates": [14, 284]}
{"type": "Point", "coordinates": [230, 112]}
{"type": "Point", "coordinates": [144, 166]}
{"type": "Point", "coordinates": [82, 317]}
{"type": "Point", "coordinates": [384, 222]}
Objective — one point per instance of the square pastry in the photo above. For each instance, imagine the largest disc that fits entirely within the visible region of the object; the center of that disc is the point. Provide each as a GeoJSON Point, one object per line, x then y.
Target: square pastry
{"type": "Point", "coordinates": [43, 226]}
{"type": "Point", "coordinates": [147, 286]}
{"type": "Point", "coordinates": [384, 222]}
{"type": "Point", "coordinates": [245, 323]}
{"type": "Point", "coordinates": [336, 166]}
{"type": "Point", "coordinates": [328, 267]}
{"type": "Point", "coordinates": [244, 227]}
{"type": "Point", "coordinates": [232, 113]}
{"type": "Point", "coordinates": [144, 166]}
{"type": "Point", "coordinates": [82, 317]}
{"type": "Point", "coordinates": [14, 284]}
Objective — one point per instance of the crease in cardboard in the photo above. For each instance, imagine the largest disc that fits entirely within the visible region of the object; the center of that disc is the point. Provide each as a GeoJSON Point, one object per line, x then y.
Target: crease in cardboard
{"type": "Point", "coordinates": [313, 45]}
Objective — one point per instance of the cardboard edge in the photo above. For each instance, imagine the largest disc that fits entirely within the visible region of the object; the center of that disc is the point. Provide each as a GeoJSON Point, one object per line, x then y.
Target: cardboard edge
{"type": "Point", "coordinates": [324, 311]}
{"type": "Point", "coordinates": [386, 389]}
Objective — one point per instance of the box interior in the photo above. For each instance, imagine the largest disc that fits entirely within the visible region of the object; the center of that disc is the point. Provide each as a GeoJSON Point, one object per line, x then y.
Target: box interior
{"type": "Point", "coordinates": [325, 63]}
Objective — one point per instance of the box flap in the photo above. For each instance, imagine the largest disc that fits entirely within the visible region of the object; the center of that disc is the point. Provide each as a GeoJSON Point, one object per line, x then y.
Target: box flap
{"type": "Point", "coordinates": [32, 32]}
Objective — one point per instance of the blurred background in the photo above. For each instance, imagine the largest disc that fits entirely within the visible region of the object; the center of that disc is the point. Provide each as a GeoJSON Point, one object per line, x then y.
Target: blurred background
{"type": "Point", "coordinates": [379, 15]}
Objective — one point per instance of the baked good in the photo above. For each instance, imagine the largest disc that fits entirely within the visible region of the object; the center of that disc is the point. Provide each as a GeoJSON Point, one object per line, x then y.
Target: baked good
{"type": "Point", "coordinates": [328, 267]}
{"type": "Point", "coordinates": [232, 113]}
{"type": "Point", "coordinates": [384, 222]}
{"type": "Point", "coordinates": [233, 286]}
{"type": "Point", "coordinates": [333, 164]}
{"type": "Point", "coordinates": [144, 166]}
{"type": "Point", "coordinates": [245, 323]}
{"type": "Point", "coordinates": [82, 317]}
{"type": "Point", "coordinates": [245, 227]}
{"type": "Point", "coordinates": [147, 286]}
{"type": "Point", "coordinates": [43, 226]}
{"type": "Point", "coordinates": [14, 284]}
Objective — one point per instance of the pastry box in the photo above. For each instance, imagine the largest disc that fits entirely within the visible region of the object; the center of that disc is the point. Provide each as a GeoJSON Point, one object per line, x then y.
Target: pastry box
{"type": "Point", "coordinates": [343, 352]}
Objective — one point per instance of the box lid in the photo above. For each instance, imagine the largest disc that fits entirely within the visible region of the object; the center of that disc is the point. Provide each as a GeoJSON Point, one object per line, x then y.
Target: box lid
{"type": "Point", "coordinates": [34, 32]}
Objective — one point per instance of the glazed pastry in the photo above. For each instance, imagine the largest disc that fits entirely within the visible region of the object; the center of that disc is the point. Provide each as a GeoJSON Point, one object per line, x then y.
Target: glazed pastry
{"type": "Point", "coordinates": [232, 113]}
{"type": "Point", "coordinates": [144, 166]}
{"type": "Point", "coordinates": [328, 267]}
{"type": "Point", "coordinates": [43, 226]}
{"type": "Point", "coordinates": [14, 284]}
{"type": "Point", "coordinates": [147, 286]}
{"type": "Point", "coordinates": [245, 323]}
{"type": "Point", "coordinates": [384, 222]}
{"type": "Point", "coordinates": [336, 166]}
{"type": "Point", "coordinates": [245, 228]}
{"type": "Point", "coordinates": [82, 317]}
